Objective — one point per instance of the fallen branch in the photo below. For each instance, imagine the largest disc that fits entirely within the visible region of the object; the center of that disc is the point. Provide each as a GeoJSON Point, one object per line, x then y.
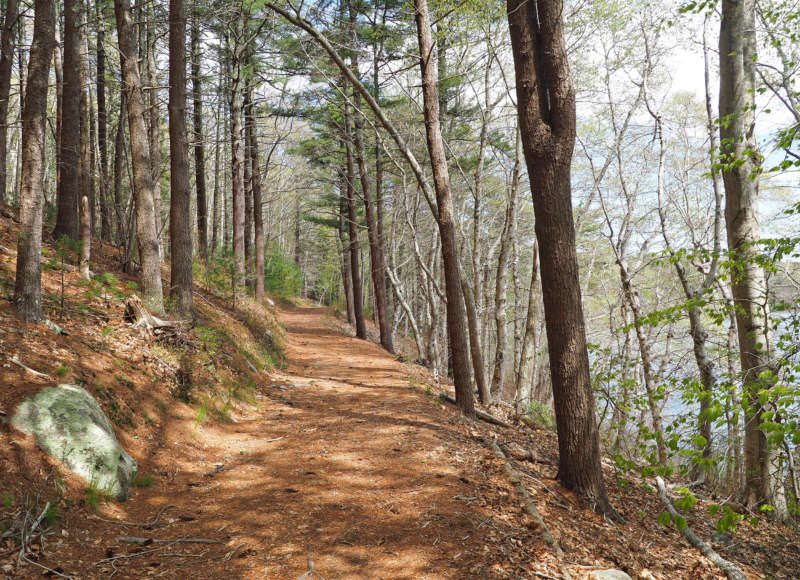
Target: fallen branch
{"type": "Point", "coordinates": [530, 507]}
{"type": "Point", "coordinates": [730, 569]}
{"type": "Point", "coordinates": [482, 415]}
{"type": "Point", "coordinates": [37, 374]}
{"type": "Point", "coordinates": [148, 541]}
{"type": "Point", "coordinates": [149, 524]}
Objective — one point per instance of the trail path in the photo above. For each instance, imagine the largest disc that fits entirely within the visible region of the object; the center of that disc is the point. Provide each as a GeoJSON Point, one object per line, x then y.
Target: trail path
{"type": "Point", "coordinates": [343, 463]}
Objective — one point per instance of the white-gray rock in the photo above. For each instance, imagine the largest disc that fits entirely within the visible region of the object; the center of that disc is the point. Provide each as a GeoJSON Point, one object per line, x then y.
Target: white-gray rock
{"type": "Point", "coordinates": [609, 575]}
{"type": "Point", "coordinates": [70, 426]}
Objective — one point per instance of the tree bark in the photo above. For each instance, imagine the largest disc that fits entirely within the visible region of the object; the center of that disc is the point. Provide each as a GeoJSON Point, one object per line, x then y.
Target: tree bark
{"type": "Point", "coordinates": [378, 268]}
{"type": "Point", "coordinates": [144, 190]}
{"type": "Point", "coordinates": [343, 240]}
{"type": "Point", "coordinates": [352, 229]}
{"type": "Point", "coordinates": [180, 197]}
{"type": "Point", "coordinates": [102, 121]}
{"type": "Point", "coordinates": [546, 104]}
{"type": "Point", "coordinates": [258, 211]}
{"type": "Point", "coordinates": [154, 126]}
{"type": "Point", "coordinates": [28, 282]}
{"type": "Point", "coordinates": [6, 60]}
{"type": "Point", "coordinates": [456, 312]}
{"type": "Point", "coordinates": [86, 238]}
{"type": "Point", "coordinates": [199, 146]}
{"type": "Point", "coordinates": [69, 155]}
{"type": "Point", "coordinates": [740, 160]}
{"type": "Point", "coordinates": [237, 166]}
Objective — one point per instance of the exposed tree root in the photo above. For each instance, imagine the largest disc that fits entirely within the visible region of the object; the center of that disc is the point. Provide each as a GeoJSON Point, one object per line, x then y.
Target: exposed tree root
{"type": "Point", "coordinates": [530, 507]}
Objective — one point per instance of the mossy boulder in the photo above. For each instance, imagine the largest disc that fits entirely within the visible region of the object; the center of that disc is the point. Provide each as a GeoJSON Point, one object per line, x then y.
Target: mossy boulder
{"type": "Point", "coordinates": [70, 426]}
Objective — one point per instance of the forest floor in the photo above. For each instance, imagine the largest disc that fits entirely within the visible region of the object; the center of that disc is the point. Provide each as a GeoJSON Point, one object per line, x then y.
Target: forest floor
{"type": "Point", "coordinates": [344, 460]}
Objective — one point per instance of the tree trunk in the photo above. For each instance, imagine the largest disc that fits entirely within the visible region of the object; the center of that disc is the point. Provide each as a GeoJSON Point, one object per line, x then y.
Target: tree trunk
{"type": "Point", "coordinates": [529, 340]}
{"type": "Point", "coordinates": [85, 181]}
{"type": "Point", "coordinates": [69, 154]}
{"type": "Point", "coordinates": [6, 60]}
{"type": "Point", "coordinates": [378, 267]}
{"type": "Point", "coordinates": [28, 283]}
{"type": "Point", "coordinates": [456, 312]}
{"type": "Point", "coordinates": [119, 144]}
{"type": "Point", "coordinates": [352, 226]}
{"type": "Point", "coordinates": [144, 190]}
{"type": "Point", "coordinates": [501, 283]}
{"type": "Point", "coordinates": [739, 156]}
{"type": "Point", "coordinates": [546, 104]}
{"type": "Point", "coordinates": [258, 211]}
{"type": "Point", "coordinates": [154, 126]}
{"type": "Point", "coordinates": [199, 147]}
{"type": "Point", "coordinates": [86, 238]}
{"type": "Point", "coordinates": [102, 121]}
{"type": "Point", "coordinates": [343, 239]}
{"type": "Point", "coordinates": [237, 168]}
{"type": "Point", "coordinates": [180, 231]}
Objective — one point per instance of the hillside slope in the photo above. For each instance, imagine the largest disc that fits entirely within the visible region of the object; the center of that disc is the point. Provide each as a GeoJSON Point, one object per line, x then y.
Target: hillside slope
{"type": "Point", "coordinates": [301, 449]}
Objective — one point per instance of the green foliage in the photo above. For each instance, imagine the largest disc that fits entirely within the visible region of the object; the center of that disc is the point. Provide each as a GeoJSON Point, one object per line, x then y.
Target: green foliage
{"type": "Point", "coordinates": [542, 415]}
{"type": "Point", "coordinates": [94, 497]}
{"type": "Point", "coordinates": [62, 370]}
{"type": "Point", "coordinates": [281, 275]}
{"type": "Point", "coordinates": [143, 480]}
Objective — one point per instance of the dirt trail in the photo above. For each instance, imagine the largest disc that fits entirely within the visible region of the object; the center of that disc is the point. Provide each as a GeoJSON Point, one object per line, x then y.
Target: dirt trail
{"type": "Point", "coordinates": [343, 463]}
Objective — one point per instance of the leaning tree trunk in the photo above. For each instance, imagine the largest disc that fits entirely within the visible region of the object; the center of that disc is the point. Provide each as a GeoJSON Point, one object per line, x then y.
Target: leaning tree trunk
{"type": "Point", "coordinates": [28, 283]}
{"type": "Point", "coordinates": [456, 310]}
{"type": "Point", "coordinates": [180, 231]}
{"type": "Point", "coordinates": [6, 60]}
{"type": "Point", "coordinates": [144, 191]}
{"type": "Point", "coordinates": [740, 165]}
{"type": "Point", "coordinates": [546, 104]}
{"type": "Point", "coordinates": [69, 155]}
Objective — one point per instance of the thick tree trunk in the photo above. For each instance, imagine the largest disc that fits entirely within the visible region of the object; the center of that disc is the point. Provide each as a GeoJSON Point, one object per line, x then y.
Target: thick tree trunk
{"type": "Point", "coordinates": [28, 283]}
{"type": "Point", "coordinates": [738, 151]}
{"type": "Point", "coordinates": [144, 190]}
{"type": "Point", "coordinates": [199, 146]}
{"type": "Point", "coordinates": [6, 60]}
{"type": "Point", "coordinates": [456, 312]}
{"type": "Point", "coordinates": [180, 197]}
{"type": "Point", "coordinates": [546, 103]}
{"type": "Point", "coordinates": [69, 155]}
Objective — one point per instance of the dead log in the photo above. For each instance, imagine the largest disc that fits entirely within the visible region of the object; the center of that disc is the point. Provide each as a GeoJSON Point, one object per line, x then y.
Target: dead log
{"type": "Point", "coordinates": [148, 325]}
{"type": "Point", "coordinates": [730, 569]}
{"type": "Point", "coordinates": [482, 415]}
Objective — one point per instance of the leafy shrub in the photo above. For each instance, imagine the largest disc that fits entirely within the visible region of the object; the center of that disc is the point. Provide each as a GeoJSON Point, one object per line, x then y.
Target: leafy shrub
{"type": "Point", "coordinates": [281, 275]}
